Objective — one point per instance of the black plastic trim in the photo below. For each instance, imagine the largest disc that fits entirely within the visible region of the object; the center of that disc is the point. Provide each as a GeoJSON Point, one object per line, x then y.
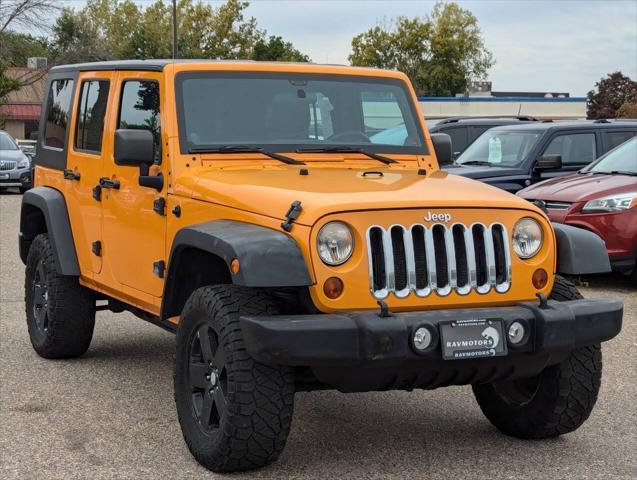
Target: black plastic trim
{"type": "Point", "coordinates": [579, 251]}
{"type": "Point", "coordinates": [268, 258]}
{"type": "Point", "coordinates": [53, 207]}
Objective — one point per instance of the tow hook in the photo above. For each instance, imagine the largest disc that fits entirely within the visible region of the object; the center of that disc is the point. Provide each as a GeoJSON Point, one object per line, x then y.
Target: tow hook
{"type": "Point", "coordinates": [543, 300]}
{"type": "Point", "coordinates": [384, 309]}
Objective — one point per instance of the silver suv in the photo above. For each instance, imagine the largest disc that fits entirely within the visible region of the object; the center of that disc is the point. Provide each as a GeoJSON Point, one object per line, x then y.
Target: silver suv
{"type": "Point", "coordinates": [15, 165]}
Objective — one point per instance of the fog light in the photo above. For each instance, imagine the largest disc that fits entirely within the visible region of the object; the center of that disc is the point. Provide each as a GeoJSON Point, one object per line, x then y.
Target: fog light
{"type": "Point", "coordinates": [333, 287]}
{"type": "Point", "coordinates": [516, 333]}
{"type": "Point", "coordinates": [540, 278]}
{"type": "Point", "coordinates": [422, 338]}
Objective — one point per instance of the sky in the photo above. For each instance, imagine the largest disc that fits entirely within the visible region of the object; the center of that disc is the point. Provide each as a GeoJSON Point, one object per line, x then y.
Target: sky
{"type": "Point", "coordinates": [540, 45]}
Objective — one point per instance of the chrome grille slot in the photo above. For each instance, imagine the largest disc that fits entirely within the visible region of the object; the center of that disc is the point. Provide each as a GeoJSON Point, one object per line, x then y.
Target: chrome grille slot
{"type": "Point", "coordinates": [438, 259]}
{"type": "Point", "coordinates": [7, 165]}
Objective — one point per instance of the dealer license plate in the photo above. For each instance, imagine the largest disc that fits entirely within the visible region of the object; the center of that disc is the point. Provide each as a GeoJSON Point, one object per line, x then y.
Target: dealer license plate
{"type": "Point", "coordinates": [475, 338]}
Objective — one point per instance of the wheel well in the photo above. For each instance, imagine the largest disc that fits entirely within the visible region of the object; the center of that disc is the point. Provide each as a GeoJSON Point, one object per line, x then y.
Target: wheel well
{"type": "Point", "coordinates": [191, 268]}
{"type": "Point", "coordinates": [32, 224]}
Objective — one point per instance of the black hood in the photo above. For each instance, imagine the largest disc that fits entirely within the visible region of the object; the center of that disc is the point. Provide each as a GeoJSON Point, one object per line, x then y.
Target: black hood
{"type": "Point", "coordinates": [478, 172]}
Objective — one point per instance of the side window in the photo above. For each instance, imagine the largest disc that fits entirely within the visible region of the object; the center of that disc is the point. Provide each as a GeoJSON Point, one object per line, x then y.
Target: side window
{"type": "Point", "coordinates": [575, 148]}
{"type": "Point", "coordinates": [617, 138]}
{"type": "Point", "coordinates": [139, 109]}
{"type": "Point", "coordinates": [57, 113]}
{"type": "Point", "coordinates": [90, 115]}
{"type": "Point", "coordinates": [459, 139]}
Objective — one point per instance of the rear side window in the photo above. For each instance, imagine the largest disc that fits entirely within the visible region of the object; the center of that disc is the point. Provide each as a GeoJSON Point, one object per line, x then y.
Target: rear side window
{"type": "Point", "coordinates": [57, 113]}
{"type": "Point", "coordinates": [139, 107]}
{"type": "Point", "coordinates": [617, 138]}
{"type": "Point", "coordinates": [90, 115]}
{"type": "Point", "coordinates": [575, 148]}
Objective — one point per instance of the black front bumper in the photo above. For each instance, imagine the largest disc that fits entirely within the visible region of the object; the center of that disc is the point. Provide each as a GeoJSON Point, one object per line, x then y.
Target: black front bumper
{"type": "Point", "coordinates": [358, 351]}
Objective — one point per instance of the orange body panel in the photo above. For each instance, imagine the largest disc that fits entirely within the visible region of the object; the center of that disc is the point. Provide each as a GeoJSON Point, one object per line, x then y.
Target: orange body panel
{"type": "Point", "coordinates": [252, 188]}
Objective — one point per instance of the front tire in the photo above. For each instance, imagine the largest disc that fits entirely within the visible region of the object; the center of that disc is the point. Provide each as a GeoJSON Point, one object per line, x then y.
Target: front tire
{"type": "Point", "coordinates": [235, 413]}
{"type": "Point", "coordinates": [60, 312]}
{"type": "Point", "coordinates": [555, 402]}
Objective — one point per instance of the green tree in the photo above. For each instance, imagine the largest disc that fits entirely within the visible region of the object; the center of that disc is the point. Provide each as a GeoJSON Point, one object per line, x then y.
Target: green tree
{"type": "Point", "coordinates": [609, 95]}
{"type": "Point", "coordinates": [119, 29]}
{"type": "Point", "coordinates": [275, 49]}
{"type": "Point", "coordinates": [440, 53]}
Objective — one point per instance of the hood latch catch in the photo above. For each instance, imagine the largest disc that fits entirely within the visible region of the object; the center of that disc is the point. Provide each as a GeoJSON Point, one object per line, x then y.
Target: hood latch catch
{"type": "Point", "coordinates": [293, 213]}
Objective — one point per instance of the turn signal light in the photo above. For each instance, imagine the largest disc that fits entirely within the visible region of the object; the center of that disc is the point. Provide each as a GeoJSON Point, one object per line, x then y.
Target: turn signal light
{"type": "Point", "coordinates": [333, 287]}
{"type": "Point", "coordinates": [235, 266]}
{"type": "Point", "coordinates": [540, 278]}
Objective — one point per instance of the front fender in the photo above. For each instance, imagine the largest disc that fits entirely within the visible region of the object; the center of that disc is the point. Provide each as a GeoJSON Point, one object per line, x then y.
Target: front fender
{"type": "Point", "coordinates": [579, 251]}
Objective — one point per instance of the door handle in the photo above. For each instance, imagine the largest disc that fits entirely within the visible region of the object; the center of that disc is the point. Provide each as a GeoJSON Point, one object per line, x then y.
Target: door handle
{"type": "Point", "coordinates": [106, 182]}
{"type": "Point", "coordinates": [71, 175]}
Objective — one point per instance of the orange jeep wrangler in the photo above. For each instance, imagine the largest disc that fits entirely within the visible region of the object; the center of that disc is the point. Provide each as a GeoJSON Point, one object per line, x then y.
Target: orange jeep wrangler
{"type": "Point", "coordinates": [290, 224]}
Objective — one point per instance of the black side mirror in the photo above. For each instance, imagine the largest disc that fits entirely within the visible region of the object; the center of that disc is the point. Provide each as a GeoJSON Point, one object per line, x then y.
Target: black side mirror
{"type": "Point", "coordinates": [549, 162]}
{"type": "Point", "coordinates": [137, 148]}
{"type": "Point", "coordinates": [134, 147]}
{"type": "Point", "coordinates": [442, 147]}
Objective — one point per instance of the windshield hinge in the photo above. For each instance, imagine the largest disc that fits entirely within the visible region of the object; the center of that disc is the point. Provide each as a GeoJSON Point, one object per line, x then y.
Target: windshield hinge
{"type": "Point", "coordinates": [293, 213]}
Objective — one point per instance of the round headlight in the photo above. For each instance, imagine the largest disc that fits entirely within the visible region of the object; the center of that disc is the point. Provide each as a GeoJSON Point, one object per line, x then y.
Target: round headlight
{"type": "Point", "coordinates": [335, 243]}
{"type": "Point", "coordinates": [527, 238]}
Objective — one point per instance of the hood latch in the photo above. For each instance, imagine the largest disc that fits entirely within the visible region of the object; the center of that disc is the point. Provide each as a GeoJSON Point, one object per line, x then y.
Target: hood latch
{"type": "Point", "coordinates": [293, 213]}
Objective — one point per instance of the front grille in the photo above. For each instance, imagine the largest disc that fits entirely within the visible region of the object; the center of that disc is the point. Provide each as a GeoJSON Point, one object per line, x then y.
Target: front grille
{"type": "Point", "coordinates": [557, 205]}
{"type": "Point", "coordinates": [438, 259]}
{"type": "Point", "coordinates": [7, 165]}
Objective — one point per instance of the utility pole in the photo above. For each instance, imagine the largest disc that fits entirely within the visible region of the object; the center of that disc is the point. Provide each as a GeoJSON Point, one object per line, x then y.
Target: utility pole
{"type": "Point", "coordinates": [175, 52]}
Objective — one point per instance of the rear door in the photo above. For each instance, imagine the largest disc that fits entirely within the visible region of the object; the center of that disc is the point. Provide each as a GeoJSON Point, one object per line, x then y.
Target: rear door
{"type": "Point", "coordinates": [84, 165]}
{"type": "Point", "coordinates": [614, 138]}
{"type": "Point", "coordinates": [134, 228]}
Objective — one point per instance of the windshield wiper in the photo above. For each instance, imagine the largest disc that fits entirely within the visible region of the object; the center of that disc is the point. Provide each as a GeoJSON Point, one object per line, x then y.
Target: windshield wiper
{"type": "Point", "coordinates": [375, 156]}
{"type": "Point", "coordinates": [612, 172]}
{"type": "Point", "coordinates": [476, 162]}
{"type": "Point", "coordinates": [243, 149]}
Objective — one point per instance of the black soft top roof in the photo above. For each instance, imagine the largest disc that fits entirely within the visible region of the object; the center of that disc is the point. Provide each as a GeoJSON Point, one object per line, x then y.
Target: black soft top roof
{"type": "Point", "coordinates": [144, 65]}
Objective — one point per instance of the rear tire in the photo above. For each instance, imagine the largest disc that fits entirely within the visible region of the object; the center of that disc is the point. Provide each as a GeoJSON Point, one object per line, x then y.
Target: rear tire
{"type": "Point", "coordinates": [60, 312]}
{"type": "Point", "coordinates": [555, 402]}
{"type": "Point", "coordinates": [235, 413]}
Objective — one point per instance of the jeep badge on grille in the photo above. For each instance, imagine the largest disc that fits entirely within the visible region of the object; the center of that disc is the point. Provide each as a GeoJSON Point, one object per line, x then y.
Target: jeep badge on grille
{"type": "Point", "coordinates": [438, 217]}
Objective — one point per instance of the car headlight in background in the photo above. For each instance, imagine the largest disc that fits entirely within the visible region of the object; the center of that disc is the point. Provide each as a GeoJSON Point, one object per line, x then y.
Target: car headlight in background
{"type": "Point", "coordinates": [335, 243]}
{"type": "Point", "coordinates": [612, 203]}
{"type": "Point", "coordinates": [24, 163]}
{"type": "Point", "coordinates": [527, 237]}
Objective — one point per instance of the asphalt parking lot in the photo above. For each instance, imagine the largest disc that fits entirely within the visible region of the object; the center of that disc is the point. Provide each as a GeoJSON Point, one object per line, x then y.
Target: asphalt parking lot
{"type": "Point", "coordinates": [110, 414]}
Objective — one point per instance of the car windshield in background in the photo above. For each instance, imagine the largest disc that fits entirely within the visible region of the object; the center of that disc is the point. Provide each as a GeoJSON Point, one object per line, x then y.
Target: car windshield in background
{"type": "Point", "coordinates": [499, 148]}
{"type": "Point", "coordinates": [286, 112]}
{"type": "Point", "coordinates": [622, 159]}
{"type": "Point", "coordinates": [6, 143]}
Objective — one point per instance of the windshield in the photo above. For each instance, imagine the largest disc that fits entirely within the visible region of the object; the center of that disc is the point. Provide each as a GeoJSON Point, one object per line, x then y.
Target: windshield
{"type": "Point", "coordinates": [620, 159]}
{"type": "Point", "coordinates": [285, 112]}
{"type": "Point", "coordinates": [499, 148]}
{"type": "Point", "coordinates": [6, 143]}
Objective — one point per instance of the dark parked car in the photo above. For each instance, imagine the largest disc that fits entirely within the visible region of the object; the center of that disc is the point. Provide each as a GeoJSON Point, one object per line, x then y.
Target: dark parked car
{"type": "Point", "coordinates": [601, 198]}
{"type": "Point", "coordinates": [15, 165]}
{"type": "Point", "coordinates": [515, 156]}
{"type": "Point", "coordinates": [465, 130]}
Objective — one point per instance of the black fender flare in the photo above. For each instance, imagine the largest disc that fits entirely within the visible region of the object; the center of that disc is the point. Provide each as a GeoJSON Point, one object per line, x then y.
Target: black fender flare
{"type": "Point", "coordinates": [579, 251]}
{"type": "Point", "coordinates": [267, 258]}
{"type": "Point", "coordinates": [51, 204]}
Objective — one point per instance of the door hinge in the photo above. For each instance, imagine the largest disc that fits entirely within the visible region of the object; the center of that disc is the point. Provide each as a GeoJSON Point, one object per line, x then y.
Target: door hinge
{"type": "Point", "coordinates": [293, 213]}
{"type": "Point", "coordinates": [159, 206]}
{"type": "Point", "coordinates": [96, 248]}
{"type": "Point", "coordinates": [159, 267]}
{"type": "Point", "coordinates": [97, 193]}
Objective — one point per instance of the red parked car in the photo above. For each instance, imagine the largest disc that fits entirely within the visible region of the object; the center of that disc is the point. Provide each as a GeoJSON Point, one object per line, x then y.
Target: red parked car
{"type": "Point", "coordinates": [601, 198]}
